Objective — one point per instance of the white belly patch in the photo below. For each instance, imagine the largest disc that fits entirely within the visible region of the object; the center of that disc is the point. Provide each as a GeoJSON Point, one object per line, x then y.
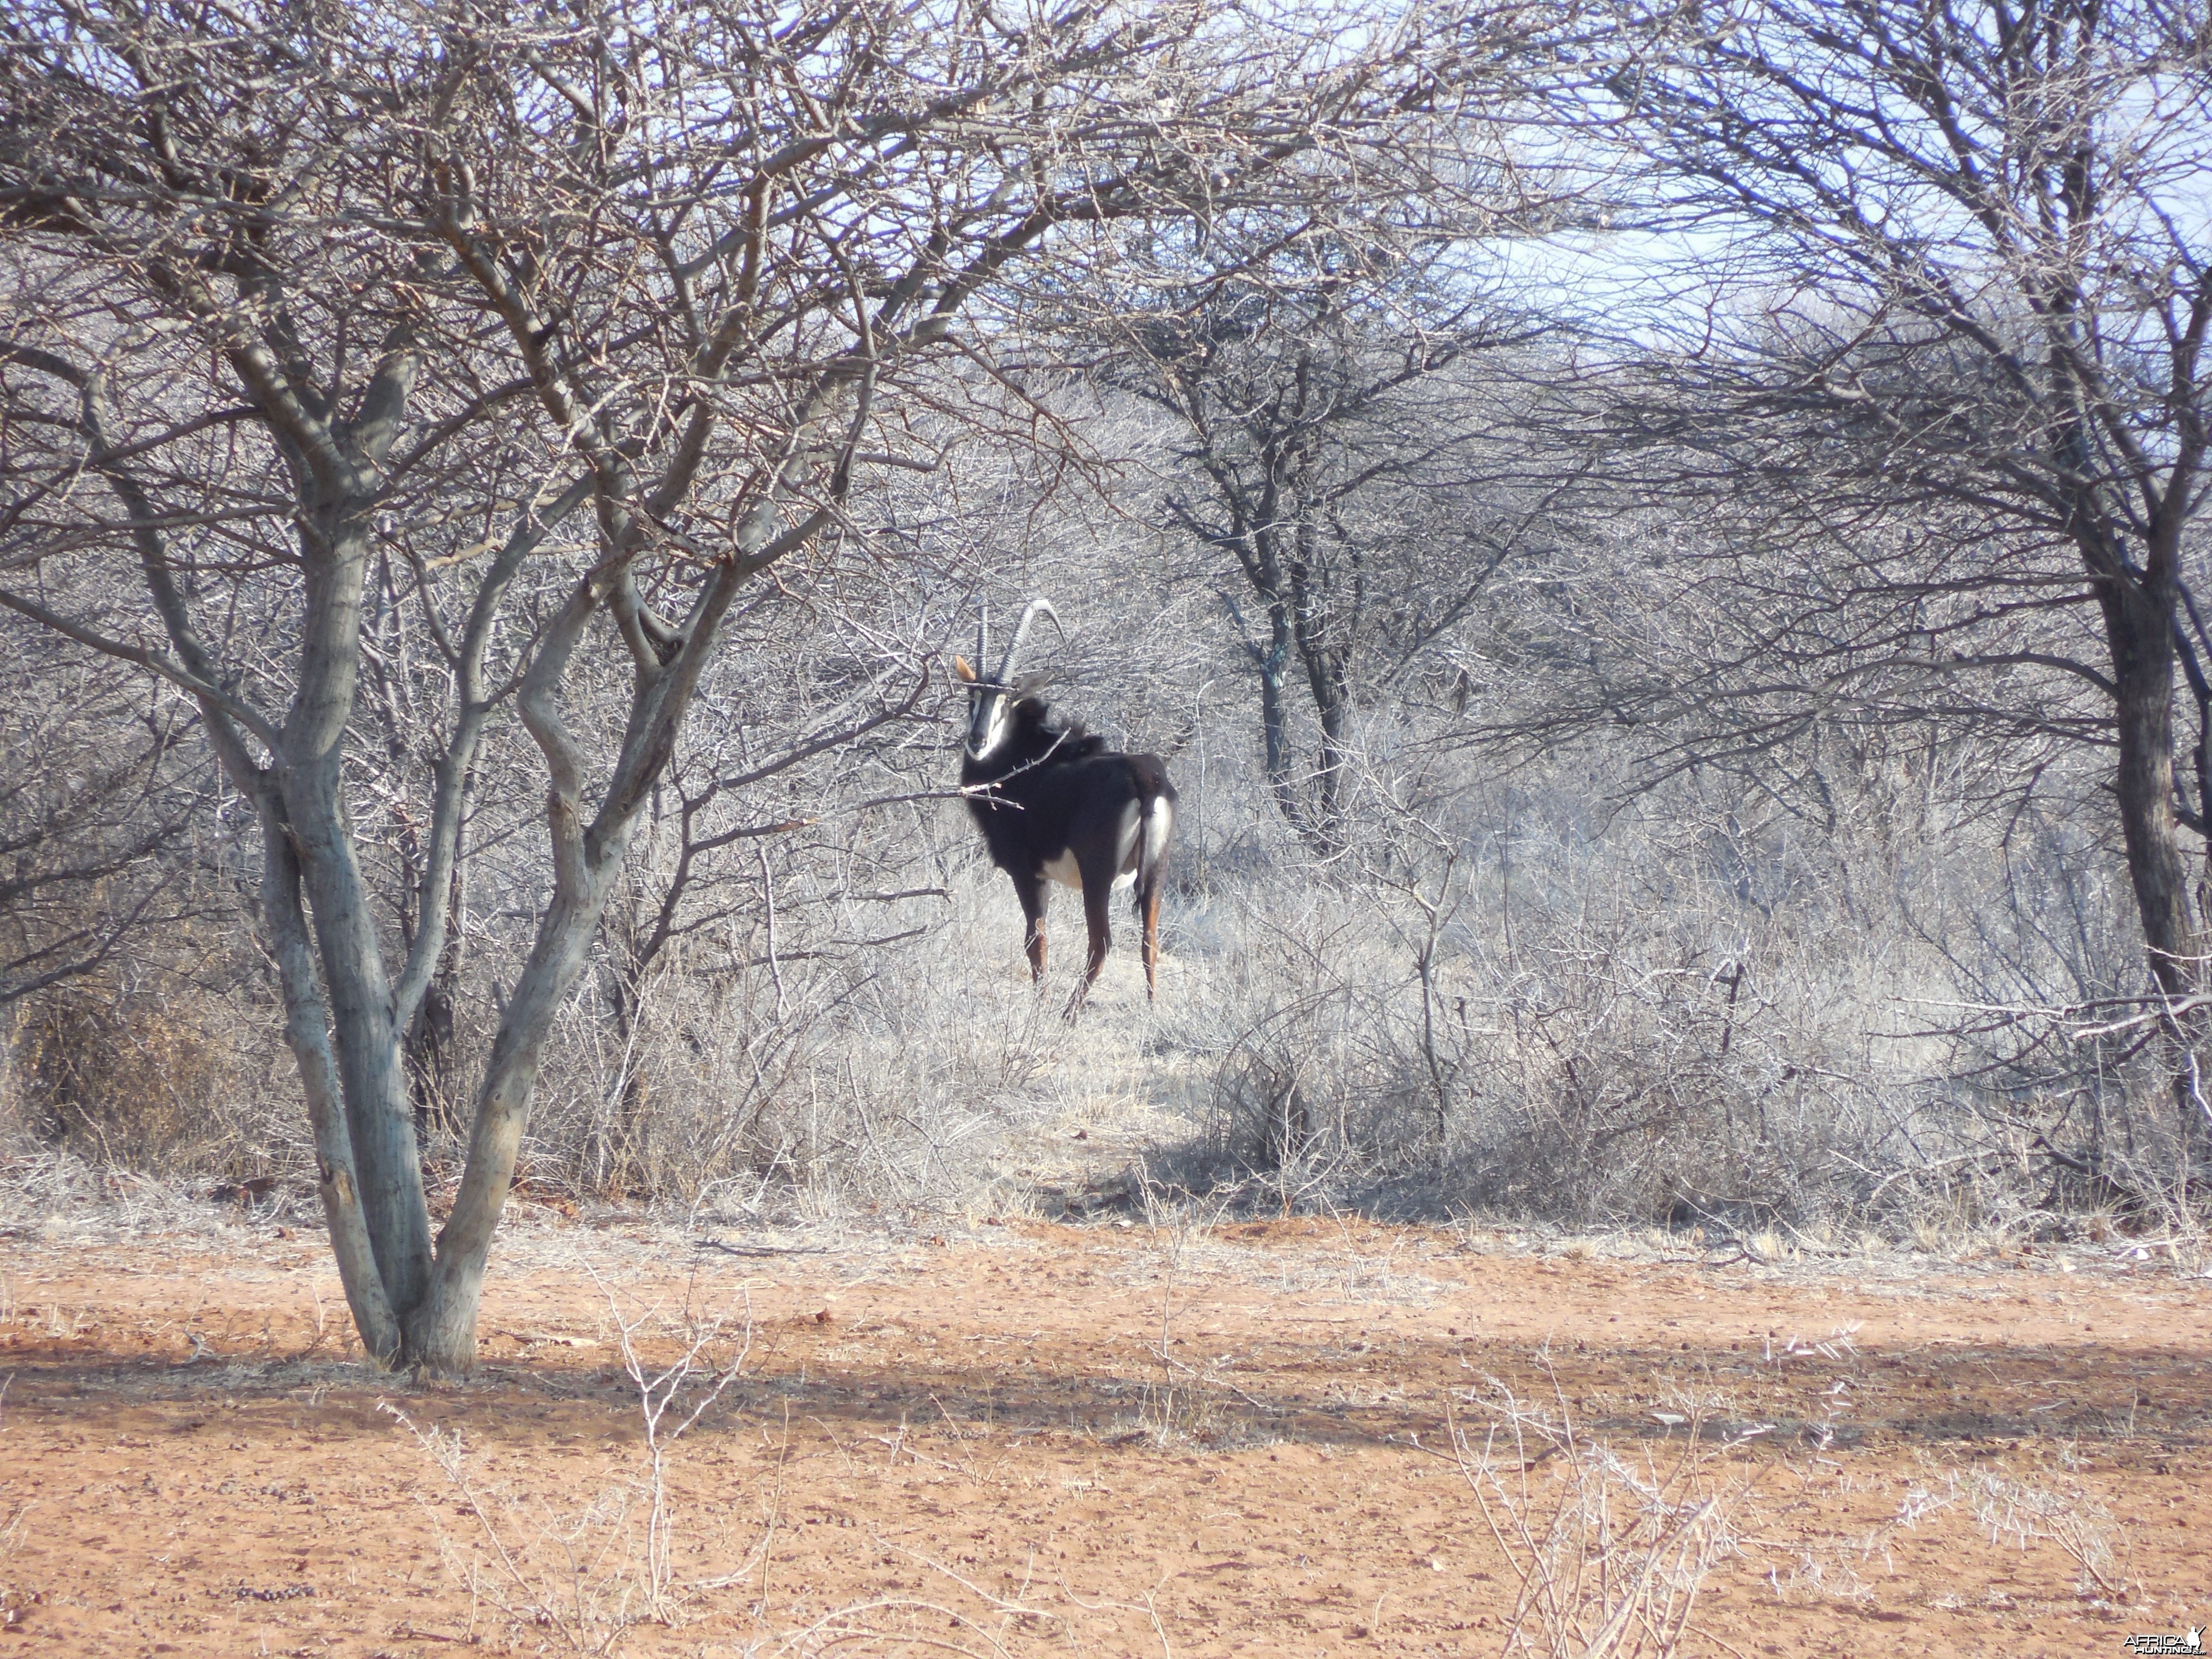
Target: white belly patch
{"type": "Point", "coordinates": [1063, 870]}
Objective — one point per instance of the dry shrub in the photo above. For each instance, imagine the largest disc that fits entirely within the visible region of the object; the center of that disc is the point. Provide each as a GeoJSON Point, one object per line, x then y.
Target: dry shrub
{"type": "Point", "coordinates": [157, 1079]}
{"type": "Point", "coordinates": [1610, 1548]}
{"type": "Point", "coordinates": [593, 1575]}
{"type": "Point", "coordinates": [1700, 1010]}
{"type": "Point", "coordinates": [1690, 1007]}
{"type": "Point", "coordinates": [829, 1077]}
{"type": "Point", "coordinates": [1600, 1074]}
{"type": "Point", "coordinates": [2069, 1517]}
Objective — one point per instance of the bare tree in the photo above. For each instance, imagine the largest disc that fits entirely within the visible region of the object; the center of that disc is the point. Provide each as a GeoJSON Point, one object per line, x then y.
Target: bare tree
{"type": "Point", "coordinates": [578, 325]}
{"type": "Point", "coordinates": [1322, 425]}
{"type": "Point", "coordinates": [1958, 286]}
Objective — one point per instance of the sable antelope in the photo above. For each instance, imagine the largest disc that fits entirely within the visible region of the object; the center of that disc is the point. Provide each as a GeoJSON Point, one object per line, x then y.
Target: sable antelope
{"type": "Point", "coordinates": [1055, 804]}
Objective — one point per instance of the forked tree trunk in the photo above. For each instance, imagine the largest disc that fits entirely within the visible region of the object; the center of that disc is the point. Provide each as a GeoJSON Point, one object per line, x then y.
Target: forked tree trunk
{"type": "Point", "coordinates": [441, 1330]}
{"type": "Point", "coordinates": [312, 854]}
{"type": "Point", "coordinates": [412, 1306]}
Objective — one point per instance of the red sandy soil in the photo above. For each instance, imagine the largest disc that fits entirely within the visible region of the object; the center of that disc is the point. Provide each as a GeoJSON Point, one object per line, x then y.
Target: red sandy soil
{"type": "Point", "coordinates": [972, 1444]}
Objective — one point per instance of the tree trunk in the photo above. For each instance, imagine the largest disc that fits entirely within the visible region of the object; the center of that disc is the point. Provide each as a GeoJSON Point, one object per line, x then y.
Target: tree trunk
{"type": "Point", "coordinates": [440, 1332]}
{"type": "Point", "coordinates": [2139, 622]}
{"type": "Point", "coordinates": [1335, 706]}
{"type": "Point", "coordinates": [310, 773]}
{"type": "Point", "coordinates": [1311, 624]}
{"type": "Point", "coordinates": [1331, 694]}
{"type": "Point", "coordinates": [306, 1031]}
{"type": "Point", "coordinates": [430, 1039]}
{"type": "Point", "coordinates": [2139, 618]}
{"type": "Point", "coordinates": [1274, 716]}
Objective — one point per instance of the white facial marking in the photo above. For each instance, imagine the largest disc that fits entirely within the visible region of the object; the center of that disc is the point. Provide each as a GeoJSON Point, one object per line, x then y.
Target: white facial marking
{"type": "Point", "coordinates": [995, 721]}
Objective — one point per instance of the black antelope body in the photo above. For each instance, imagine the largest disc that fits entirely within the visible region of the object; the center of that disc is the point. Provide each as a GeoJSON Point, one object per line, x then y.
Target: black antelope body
{"type": "Point", "coordinates": [1055, 804]}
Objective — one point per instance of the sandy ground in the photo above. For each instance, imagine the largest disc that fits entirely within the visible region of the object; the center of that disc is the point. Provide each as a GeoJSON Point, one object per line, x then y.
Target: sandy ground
{"type": "Point", "coordinates": [1025, 1439]}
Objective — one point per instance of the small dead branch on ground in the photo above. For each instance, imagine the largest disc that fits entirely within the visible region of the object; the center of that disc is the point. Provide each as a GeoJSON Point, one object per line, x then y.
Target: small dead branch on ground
{"type": "Point", "coordinates": [1611, 1551]}
{"type": "Point", "coordinates": [592, 1577]}
{"type": "Point", "coordinates": [2027, 1513]}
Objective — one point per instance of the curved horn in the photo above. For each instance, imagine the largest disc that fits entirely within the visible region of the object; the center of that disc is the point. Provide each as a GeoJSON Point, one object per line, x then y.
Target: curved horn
{"type": "Point", "coordinates": [1022, 635]}
{"type": "Point", "coordinates": [982, 639]}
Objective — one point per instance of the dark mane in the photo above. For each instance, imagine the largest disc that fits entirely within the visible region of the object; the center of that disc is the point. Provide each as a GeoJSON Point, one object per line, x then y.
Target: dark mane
{"type": "Point", "coordinates": [1040, 739]}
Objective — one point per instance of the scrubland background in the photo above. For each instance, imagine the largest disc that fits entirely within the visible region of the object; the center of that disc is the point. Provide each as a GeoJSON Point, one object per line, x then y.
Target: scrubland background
{"type": "Point", "coordinates": [1550, 969]}
{"type": "Point", "coordinates": [1645, 733]}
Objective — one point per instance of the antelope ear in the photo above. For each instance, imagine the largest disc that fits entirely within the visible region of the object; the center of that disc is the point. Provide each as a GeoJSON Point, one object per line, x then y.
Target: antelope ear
{"type": "Point", "coordinates": [961, 670]}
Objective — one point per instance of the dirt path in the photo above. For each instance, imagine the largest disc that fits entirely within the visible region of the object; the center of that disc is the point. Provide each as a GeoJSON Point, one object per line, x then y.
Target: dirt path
{"type": "Point", "coordinates": [977, 1443]}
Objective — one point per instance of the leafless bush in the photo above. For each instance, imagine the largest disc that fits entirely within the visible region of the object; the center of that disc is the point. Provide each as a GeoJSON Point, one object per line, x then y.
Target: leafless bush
{"type": "Point", "coordinates": [2026, 1512]}
{"type": "Point", "coordinates": [592, 1575]}
{"type": "Point", "coordinates": [130, 1083]}
{"type": "Point", "coordinates": [1610, 1549]}
{"type": "Point", "coordinates": [836, 1075]}
{"type": "Point", "coordinates": [158, 1060]}
{"type": "Point", "coordinates": [97, 818]}
{"type": "Point", "coordinates": [1697, 1010]}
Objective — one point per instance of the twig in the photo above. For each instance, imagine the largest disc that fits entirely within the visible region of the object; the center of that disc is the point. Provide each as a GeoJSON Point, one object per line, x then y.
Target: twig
{"type": "Point", "coordinates": [1208, 1376]}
